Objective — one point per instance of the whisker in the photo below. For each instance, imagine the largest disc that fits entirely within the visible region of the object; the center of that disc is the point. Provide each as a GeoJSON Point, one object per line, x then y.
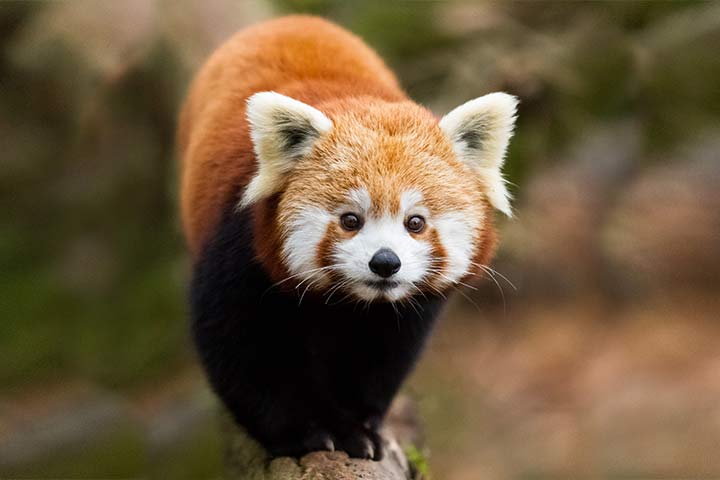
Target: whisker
{"type": "Point", "coordinates": [456, 282]}
{"type": "Point", "coordinates": [412, 304]}
{"type": "Point", "coordinates": [419, 290]}
{"type": "Point", "coordinates": [307, 288]}
{"type": "Point", "coordinates": [467, 297]}
{"type": "Point", "coordinates": [502, 292]}
{"type": "Point", "coordinates": [433, 288]}
{"type": "Point", "coordinates": [342, 299]}
{"type": "Point", "coordinates": [308, 277]}
{"type": "Point", "coordinates": [397, 314]}
{"type": "Point", "coordinates": [493, 271]}
{"type": "Point", "coordinates": [307, 272]}
{"type": "Point", "coordinates": [335, 288]}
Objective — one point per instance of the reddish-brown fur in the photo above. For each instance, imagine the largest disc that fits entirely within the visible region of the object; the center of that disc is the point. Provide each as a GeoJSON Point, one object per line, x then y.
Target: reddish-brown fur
{"type": "Point", "coordinates": [306, 58]}
{"type": "Point", "coordinates": [318, 63]}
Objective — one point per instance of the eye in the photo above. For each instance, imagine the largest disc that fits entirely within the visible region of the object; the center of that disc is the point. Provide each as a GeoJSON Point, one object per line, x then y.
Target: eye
{"type": "Point", "coordinates": [415, 224]}
{"type": "Point", "coordinates": [350, 222]}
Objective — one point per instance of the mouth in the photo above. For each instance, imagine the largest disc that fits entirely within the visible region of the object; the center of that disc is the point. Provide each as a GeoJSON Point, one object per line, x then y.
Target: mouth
{"type": "Point", "coordinates": [381, 285]}
{"type": "Point", "coordinates": [381, 290]}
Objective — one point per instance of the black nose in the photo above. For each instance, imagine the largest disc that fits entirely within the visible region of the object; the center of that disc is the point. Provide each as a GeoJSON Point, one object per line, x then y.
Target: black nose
{"type": "Point", "coordinates": [385, 263]}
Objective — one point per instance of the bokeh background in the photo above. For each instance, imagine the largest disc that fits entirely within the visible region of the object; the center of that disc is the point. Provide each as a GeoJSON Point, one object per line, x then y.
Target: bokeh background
{"type": "Point", "coordinates": [597, 358]}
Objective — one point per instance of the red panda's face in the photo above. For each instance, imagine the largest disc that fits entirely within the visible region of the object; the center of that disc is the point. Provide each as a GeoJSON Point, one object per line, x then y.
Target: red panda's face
{"type": "Point", "coordinates": [380, 204]}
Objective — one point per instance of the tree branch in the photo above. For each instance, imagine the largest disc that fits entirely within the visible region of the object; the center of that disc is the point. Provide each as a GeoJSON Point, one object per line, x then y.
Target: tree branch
{"type": "Point", "coordinates": [245, 459]}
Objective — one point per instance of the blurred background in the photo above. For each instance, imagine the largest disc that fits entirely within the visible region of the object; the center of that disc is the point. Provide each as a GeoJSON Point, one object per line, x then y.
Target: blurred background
{"type": "Point", "coordinates": [597, 358]}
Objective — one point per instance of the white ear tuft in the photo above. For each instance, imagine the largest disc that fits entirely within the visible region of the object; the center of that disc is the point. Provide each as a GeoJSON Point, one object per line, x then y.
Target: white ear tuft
{"type": "Point", "coordinates": [282, 130]}
{"type": "Point", "coordinates": [480, 131]}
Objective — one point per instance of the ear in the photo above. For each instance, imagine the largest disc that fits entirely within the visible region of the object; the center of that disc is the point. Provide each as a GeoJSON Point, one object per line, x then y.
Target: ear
{"type": "Point", "coordinates": [480, 131]}
{"type": "Point", "coordinates": [283, 130]}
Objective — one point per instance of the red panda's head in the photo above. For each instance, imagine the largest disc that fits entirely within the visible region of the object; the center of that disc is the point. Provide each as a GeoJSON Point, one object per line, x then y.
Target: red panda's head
{"type": "Point", "coordinates": [379, 200]}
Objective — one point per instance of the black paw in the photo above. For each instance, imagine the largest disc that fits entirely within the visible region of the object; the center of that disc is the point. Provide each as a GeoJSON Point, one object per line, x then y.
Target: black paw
{"type": "Point", "coordinates": [356, 441]}
{"type": "Point", "coordinates": [360, 443]}
{"type": "Point", "coordinates": [319, 440]}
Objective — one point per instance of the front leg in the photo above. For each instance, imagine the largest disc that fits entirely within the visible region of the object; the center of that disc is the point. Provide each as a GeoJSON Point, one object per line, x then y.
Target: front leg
{"type": "Point", "coordinates": [281, 396]}
{"type": "Point", "coordinates": [271, 401]}
{"type": "Point", "coordinates": [300, 423]}
{"type": "Point", "coordinates": [388, 350]}
{"type": "Point", "coordinates": [331, 432]}
{"type": "Point", "coordinates": [342, 430]}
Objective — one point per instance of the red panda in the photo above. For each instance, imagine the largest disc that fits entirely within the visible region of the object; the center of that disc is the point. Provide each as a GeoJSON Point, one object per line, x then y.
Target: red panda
{"type": "Point", "coordinates": [327, 215]}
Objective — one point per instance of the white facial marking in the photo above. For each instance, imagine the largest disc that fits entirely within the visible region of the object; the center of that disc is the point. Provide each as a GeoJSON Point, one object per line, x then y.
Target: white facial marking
{"type": "Point", "coordinates": [387, 231]}
{"type": "Point", "coordinates": [456, 235]}
{"type": "Point", "coordinates": [359, 199]}
{"type": "Point", "coordinates": [411, 204]}
{"type": "Point", "coordinates": [410, 199]}
{"type": "Point", "coordinates": [351, 257]}
{"type": "Point", "coordinates": [305, 233]}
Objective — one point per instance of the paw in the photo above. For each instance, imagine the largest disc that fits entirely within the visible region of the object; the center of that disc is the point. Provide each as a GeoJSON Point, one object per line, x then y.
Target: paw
{"type": "Point", "coordinates": [356, 441]}
{"type": "Point", "coordinates": [319, 440]}
{"type": "Point", "coordinates": [360, 443]}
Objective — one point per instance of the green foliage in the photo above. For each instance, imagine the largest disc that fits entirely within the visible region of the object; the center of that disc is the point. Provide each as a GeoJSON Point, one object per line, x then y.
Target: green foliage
{"type": "Point", "coordinates": [419, 462]}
